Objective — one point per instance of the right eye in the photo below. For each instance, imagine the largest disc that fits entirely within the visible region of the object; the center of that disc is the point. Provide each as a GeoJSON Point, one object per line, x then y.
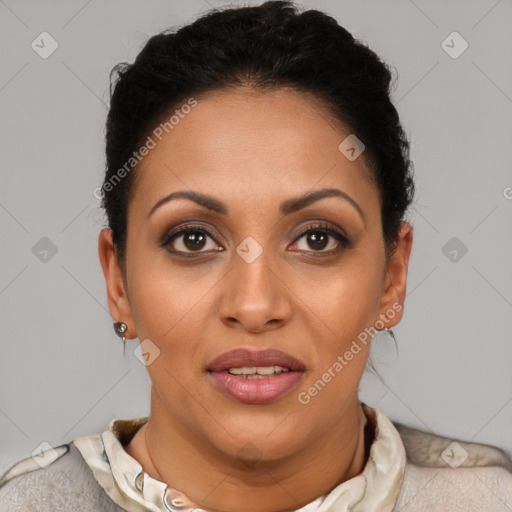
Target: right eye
{"type": "Point", "coordinates": [189, 239]}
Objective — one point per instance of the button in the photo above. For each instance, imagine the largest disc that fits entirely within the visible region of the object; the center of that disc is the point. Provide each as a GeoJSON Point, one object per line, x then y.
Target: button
{"type": "Point", "coordinates": [139, 481]}
{"type": "Point", "coordinates": [175, 501]}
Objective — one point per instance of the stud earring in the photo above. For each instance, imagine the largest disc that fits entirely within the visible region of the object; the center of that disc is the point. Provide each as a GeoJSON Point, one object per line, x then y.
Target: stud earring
{"type": "Point", "coordinates": [120, 328]}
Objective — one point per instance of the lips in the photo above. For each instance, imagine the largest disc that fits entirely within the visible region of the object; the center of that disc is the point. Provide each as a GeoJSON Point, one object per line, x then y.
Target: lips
{"type": "Point", "coordinates": [286, 374]}
{"type": "Point", "coordinates": [241, 358]}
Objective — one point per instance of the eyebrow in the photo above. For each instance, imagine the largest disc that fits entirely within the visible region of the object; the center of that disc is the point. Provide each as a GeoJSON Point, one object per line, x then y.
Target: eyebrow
{"type": "Point", "coordinates": [286, 208]}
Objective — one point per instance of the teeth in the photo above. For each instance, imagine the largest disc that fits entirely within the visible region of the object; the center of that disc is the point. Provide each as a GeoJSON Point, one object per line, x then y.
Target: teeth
{"type": "Point", "coordinates": [257, 371]}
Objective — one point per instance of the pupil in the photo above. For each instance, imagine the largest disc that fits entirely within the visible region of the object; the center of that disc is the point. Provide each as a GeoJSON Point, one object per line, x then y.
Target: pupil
{"type": "Point", "coordinates": [194, 240]}
{"type": "Point", "coordinates": [319, 240]}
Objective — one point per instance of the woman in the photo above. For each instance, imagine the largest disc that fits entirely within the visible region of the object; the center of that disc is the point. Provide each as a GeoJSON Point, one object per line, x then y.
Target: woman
{"type": "Point", "coordinates": [256, 188]}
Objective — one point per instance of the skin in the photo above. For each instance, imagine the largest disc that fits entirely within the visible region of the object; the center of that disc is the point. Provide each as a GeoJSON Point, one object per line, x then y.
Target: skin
{"type": "Point", "coordinates": [252, 150]}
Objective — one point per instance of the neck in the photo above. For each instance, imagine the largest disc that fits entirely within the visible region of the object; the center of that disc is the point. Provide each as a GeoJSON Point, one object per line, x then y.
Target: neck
{"type": "Point", "coordinates": [217, 482]}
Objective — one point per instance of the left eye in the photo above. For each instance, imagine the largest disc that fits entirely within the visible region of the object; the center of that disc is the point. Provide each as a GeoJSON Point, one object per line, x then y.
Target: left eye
{"type": "Point", "coordinates": [322, 239]}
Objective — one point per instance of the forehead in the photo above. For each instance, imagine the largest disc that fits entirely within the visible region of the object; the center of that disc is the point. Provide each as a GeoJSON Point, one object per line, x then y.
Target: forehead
{"type": "Point", "coordinates": [252, 143]}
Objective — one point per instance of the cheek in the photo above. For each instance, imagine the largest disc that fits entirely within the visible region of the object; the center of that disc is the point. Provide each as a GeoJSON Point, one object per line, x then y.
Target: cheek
{"type": "Point", "coordinates": [170, 316]}
{"type": "Point", "coordinates": [341, 301]}
{"type": "Point", "coordinates": [165, 313]}
{"type": "Point", "coordinates": [340, 307]}
{"type": "Point", "coordinates": [173, 308]}
{"type": "Point", "coordinates": [342, 311]}
{"type": "Point", "coordinates": [163, 297]}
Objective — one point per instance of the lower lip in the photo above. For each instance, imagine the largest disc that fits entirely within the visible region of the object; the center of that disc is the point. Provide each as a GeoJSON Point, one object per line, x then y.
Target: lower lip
{"type": "Point", "coordinates": [257, 391]}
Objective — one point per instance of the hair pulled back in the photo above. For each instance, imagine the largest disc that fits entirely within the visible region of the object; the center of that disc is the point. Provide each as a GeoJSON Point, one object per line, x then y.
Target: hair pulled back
{"type": "Point", "coordinates": [268, 46]}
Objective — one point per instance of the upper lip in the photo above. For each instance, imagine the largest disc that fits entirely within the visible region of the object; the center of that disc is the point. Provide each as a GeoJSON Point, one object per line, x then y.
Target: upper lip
{"type": "Point", "coordinates": [240, 358]}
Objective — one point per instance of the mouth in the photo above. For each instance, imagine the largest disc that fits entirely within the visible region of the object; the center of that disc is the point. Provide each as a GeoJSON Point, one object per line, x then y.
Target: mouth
{"type": "Point", "coordinates": [256, 377]}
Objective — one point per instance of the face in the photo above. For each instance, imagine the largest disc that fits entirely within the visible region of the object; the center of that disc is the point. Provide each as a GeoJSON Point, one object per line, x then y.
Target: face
{"type": "Point", "coordinates": [255, 267]}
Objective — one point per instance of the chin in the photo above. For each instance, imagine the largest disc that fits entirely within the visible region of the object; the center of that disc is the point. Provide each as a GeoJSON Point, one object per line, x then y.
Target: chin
{"type": "Point", "coordinates": [248, 436]}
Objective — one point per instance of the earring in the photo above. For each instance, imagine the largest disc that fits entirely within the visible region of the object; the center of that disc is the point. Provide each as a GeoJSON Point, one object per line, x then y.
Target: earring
{"type": "Point", "coordinates": [390, 332]}
{"type": "Point", "coordinates": [120, 328]}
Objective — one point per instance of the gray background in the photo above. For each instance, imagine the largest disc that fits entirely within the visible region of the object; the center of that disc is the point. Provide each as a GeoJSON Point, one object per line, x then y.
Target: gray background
{"type": "Point", "coordinates": [61, 369]}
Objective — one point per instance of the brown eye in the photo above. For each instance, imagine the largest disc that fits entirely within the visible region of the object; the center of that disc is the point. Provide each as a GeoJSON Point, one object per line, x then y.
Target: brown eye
{"type": "Point", "coordinates": [194, 240]}
{"type": "Point", "coordinates": [321, 239]}
{"type": "Point", "coordinates": [189, 240]}
{"type": "Point", "coordinates": [317, 240]}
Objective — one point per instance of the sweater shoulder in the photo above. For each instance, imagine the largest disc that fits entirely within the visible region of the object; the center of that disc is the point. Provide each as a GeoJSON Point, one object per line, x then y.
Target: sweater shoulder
{"type": "Point", "coordinates": [431, 489]}
{"type": "Point", "coordinates": [55, 479]}
{"type": "Point", "coordinates": [425, 449]}
{"type": "Point", "coordinates": [442, 474]}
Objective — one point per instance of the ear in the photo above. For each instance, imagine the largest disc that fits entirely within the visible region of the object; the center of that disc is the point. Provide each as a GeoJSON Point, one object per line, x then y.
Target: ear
{"type": "Point", "coordinates": [117, 296]}
{"type": "Point", "coordinates": [393, 298]}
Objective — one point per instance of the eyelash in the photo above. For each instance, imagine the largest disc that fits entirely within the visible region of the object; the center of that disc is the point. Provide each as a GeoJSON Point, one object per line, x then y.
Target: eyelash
{"type": "Point", "coordinates": [315, 228]}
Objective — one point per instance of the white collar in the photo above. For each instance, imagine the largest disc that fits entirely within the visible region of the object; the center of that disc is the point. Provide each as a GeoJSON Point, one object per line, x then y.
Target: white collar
{"type": "Point", "coordinates": [376, 488]}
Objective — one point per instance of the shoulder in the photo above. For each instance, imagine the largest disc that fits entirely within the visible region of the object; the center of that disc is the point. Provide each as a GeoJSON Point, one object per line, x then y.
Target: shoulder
{"type": "Point", "coordinates": [57, 479]}
{"type": "Point", "coordinates": [448, 474]}
{"type": "Point", "coordinates": [432, 450]}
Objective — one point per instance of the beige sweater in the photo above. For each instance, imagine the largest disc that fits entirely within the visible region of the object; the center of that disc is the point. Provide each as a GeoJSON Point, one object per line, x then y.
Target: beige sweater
{"type": "Point", "coordinates": [408, 470]}
{"type": "Point", "coordinates": [444, 475]}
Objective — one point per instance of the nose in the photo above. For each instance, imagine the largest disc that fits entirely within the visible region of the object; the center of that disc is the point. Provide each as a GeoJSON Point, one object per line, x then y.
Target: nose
{"type": "Point", "coordinates": [254, 296]}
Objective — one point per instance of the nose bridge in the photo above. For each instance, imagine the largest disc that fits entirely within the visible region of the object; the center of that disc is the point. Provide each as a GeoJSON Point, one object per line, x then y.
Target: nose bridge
{"type": "Point", "coordinates": [254, 278]}
{"type": "Point", "coordinates": [253, 295]}
{"type": "Point", "coordinates": [254, 272]}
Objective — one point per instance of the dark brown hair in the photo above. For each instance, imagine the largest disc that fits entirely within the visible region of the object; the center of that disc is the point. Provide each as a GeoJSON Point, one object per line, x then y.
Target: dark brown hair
{"type": "Point", "coordinates": [269, 46]}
